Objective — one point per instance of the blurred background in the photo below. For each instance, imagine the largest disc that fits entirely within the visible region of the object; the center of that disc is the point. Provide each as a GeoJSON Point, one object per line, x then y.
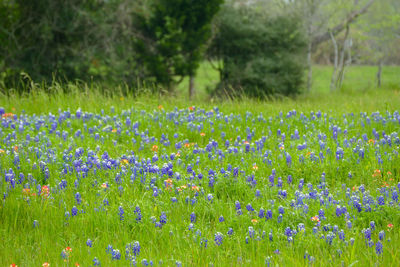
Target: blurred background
{"type": "Point", "coordinates": [201, 48]}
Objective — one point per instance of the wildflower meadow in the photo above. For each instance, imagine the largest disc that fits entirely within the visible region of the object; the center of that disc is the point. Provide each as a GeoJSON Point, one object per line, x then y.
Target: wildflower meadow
{"type": "Point", "coordinates": [174, 184]}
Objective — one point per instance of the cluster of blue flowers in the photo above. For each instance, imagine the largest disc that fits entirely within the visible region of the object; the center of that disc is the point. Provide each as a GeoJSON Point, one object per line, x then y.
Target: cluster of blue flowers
{"type": "Point", "coordinates": [281, 176]}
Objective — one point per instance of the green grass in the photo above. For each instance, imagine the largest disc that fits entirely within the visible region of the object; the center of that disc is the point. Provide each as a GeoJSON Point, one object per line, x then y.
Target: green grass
{"type": "Point", "coordinates": [26, 245]}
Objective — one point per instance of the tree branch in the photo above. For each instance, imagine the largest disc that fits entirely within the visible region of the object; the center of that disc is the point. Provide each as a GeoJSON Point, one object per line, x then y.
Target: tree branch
{"type": "Point", "coordinates": [340, 27]}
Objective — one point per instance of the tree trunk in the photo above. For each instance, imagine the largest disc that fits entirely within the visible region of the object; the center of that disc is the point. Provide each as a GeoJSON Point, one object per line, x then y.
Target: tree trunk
{"type": "Point", "coordinates": [342, 64]}
{"type": "Point", "coordinates": [335, 63]}
{"type": "Point", "coordinates": [191, 87]}
{"type": "Point", "coordinates": [309, 63]}
{"type": "Point", "coordinates": [379, 74]}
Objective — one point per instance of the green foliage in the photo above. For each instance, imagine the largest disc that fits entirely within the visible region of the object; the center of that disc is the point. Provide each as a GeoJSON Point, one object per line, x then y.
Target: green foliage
{"type": "Point", "coordinates": [260, 56]}
{"type": "Point", "coordinates": [66, 40]}
{"type": "Point", "coordinates": [46, 36]}
{"type": "Point", "coordinates": [171, 38]}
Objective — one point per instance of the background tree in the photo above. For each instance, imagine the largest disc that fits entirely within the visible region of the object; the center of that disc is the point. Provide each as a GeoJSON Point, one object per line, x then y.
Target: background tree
{"type": "Point", "coordinates": [45, 36]}
{"type": "Point", "coordinates": [171, 38]}
{"type": "Point", "coordinates": [258, 56]}
{"type": "Point", "coordinates": [380, 33]}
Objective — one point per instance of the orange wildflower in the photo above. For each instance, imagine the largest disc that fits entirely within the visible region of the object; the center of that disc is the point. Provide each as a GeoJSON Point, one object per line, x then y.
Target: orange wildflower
{"type": "Point", "coordinates": [202, 134]}
{"type": "Point", "coordinates": [6, 115]}
{"type": "Point", "coordinates": [168, 183]}
{"type": "Point", "coordinates": [15, 148]}
{"type": "Point", "coordinates": [2, 151]}
{"type": "Point", "coordinates": [315, 219]}
{"type": "Point", "coordinates": [124, 162]}
{"type": "Point", "coordinates": [390, 226]}
{"type": "Point", "coordinates": [371, 141]}
{"type": "Point", "coordinates": [114, 130]}
{"type": "Point", "coordinates": [254, 221]}
{"type": "Point", "coordinates": [160, 107]}
{"type": "Point", "coordinates": [377, 173]}
{"type": "Point", "coordinates": [46, 264]}
{"type": "Point", "coordinates": [191, 108]}
{"type": "Point", "coordinates": [255, 167]}
{"type": "Point", "coordinates": [154, 148]}
{"type": "Point", "coordinates": [45, 191]}
{"type": "Point", "coordinates": [195, 187]}
{"type": "Point", "coordinates": [26, 191]}
{"type": "Point", "coordinates": [104, 185]}
{"type": "Point", "coordinates": [13, 264]}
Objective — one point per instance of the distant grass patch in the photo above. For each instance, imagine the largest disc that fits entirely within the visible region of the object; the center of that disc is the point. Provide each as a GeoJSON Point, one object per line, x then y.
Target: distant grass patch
{"type": "Point", "coordinates": [357, 78]}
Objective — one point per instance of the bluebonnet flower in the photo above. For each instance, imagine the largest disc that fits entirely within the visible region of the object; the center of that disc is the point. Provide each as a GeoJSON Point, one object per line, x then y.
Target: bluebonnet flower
{"type": "Point", "coordinates": [89, 243]}
{"type": "Point", "coordinates": [261, 213]}
{"type": "Point", "coordinates": [35, 223]}
{"type": "Point", "coordinates": [367, 234]}
{"type": "Point", "coordinates": [96, 262]}
{"type": "Point", "coordinates": [329, 238]}
{"type": "Point", "coordinates": [268, 215]}
{"type": "Point", "coordinates": [289, 179]}
{"type": "Point", "coordinates": [109, 249]}
{"type": "Point", "coordinates": [381, 200]}
{"type": "Point", "coordinates": [136, 248]}
{"type": "Point", "coordinates": [121, 213]}
{"type": "Point", "coordinates": [218, 238]}
{"type": "Point", "coordinates": [252, 232]}
{"type": "Point", "coordinates": [74, 211]}
{"type": "Point", "coordinates": [378, 248]}
{"type": "Point", "coordinates": [370, 243]}
{"type": "Point", "coordinates": [193, 217]}
{"type": "Point", "coordinates": [78, 198]}
{"type": "Point", "coordinates": [163, 218]}
{"type": "Point", "coordinates": [381, 235]}
{"type": "Point", "coordinates": [288, 232]}
{"type": "Point", "coordinates": [321, 214]}
{"type": "Point", "coordinates": [138, 213]}
{"type": "Point", "coordinates": [230, 231]}
{"type": "Point", "coordinates": [249, 208]}
{"type": "Point", "coordinates": [281, 210]}
{"type": "Point", "coordinates": [238, 208]}
{"type": "Point", "coordinates": [191, 226]}
{"type": "Point", "coordinates": [372, 224]}
{"type": "Point", "coordinates": [280, 217]}
{"type": "Point", "coordinates": [338, 211]}
{"type": "Point", "coordinates": [210, 197]}
{"type": "Point", "coordinates": [116, 254]}
{"type": "Point", "coordinates": [221, 218]}
{"type": "Point", "coordinates": [341, 235]}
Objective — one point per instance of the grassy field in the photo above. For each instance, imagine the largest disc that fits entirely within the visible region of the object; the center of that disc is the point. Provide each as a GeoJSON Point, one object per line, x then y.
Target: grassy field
{"type": "Point", "coordinates": [123, 180]}
{"type": "Point", "coordinates": [357, 78]}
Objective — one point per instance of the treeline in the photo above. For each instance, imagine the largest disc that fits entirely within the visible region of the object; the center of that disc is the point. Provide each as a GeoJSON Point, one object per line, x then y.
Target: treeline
{"type": "Point", "coordinates": [259, 47]}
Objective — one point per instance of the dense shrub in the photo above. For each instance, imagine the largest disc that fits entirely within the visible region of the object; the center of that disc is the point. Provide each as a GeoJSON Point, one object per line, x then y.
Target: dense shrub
{"type": "Point", "coordinates": [260, 56]}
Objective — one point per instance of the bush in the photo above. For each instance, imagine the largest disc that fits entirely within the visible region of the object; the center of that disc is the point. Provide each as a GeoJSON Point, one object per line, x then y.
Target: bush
{"type": "Point", "coordinates": [260, 56]}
